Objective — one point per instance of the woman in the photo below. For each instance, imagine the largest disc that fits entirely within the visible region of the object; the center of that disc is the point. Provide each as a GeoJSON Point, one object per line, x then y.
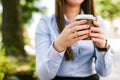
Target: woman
{"type": "Point", "coordinates": [61, 52]}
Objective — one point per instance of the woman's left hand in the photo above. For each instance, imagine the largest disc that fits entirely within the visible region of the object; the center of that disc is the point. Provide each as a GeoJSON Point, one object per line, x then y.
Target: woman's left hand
{"type": "Point", "coordinates": [97, 35]}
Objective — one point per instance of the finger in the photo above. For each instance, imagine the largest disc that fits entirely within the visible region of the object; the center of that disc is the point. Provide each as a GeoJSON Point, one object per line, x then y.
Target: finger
{"type": "Point", "coordinates": [96, 30]}
{"type": "Point", "coordinates": [77, 23]}
{"type": "Point", "coordinates": [96, 35]}
{"type": "Point", "coordinates": [96, 23]}
{"type": "Point", "coordinates": [78, 28]}
{"type": "Point", "coordinates": [80, 37]}
{"type": "Point", "coordinates": [80, 33]}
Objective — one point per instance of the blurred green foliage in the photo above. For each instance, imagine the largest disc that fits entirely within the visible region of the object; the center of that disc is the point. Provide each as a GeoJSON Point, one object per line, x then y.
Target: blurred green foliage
{"type": "Point", "coordinates": [0, 23]}
{"type": "Point", "coordinates": [12, 69]}
{"type": "Point", "coordinates": [2, 49]}
{"type": "Point", "coordinates": [28, 7]}
{"type": "Point", "coordinates": [109, 9]}
{"type": "Point", "coordinates": [2, 75]}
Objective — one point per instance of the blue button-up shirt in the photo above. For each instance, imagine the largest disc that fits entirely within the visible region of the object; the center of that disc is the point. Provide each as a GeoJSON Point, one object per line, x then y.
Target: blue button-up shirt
{"type": "Point", "coordinates": [50, 63]}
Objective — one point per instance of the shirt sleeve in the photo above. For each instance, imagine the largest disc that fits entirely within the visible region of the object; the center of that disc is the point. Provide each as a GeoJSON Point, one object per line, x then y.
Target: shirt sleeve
{"type": "Point", "coordinates": [48, 60]}
{"type": "Point", "coordinates": [104, 59]}
{"type": "Point", "coordinates": [104, 62]}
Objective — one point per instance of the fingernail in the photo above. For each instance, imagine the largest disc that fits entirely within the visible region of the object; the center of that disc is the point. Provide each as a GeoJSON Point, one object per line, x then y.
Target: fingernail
{"type": "Point", "coordinates": [89, 31]}
{"type": "Point", "coordinates": [84, 21]}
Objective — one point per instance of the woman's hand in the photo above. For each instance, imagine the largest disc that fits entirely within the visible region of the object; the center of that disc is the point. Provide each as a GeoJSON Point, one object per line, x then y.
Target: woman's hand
{"type": "Point", "coordinates": [97, 35]}
{"type": "Point", "coordinates": [72, 33]}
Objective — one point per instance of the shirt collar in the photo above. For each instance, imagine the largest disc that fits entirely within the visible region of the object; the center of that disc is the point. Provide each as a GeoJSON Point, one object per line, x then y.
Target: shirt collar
{"type": "Point", "coordinates": [67, 21]}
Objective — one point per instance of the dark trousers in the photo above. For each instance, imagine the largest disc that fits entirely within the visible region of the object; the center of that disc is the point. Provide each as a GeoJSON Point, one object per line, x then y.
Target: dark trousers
{"type": "Point", "coordinates": [92, 77]}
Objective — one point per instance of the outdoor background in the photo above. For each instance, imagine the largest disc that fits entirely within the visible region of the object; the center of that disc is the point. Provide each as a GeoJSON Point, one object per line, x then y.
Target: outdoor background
{"type": "Point", "coordinates": [18, 21]}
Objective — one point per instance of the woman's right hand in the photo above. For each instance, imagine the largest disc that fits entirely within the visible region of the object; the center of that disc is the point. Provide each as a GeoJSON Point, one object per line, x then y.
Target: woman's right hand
{"type": "Point", "coordinates": [72, 33]}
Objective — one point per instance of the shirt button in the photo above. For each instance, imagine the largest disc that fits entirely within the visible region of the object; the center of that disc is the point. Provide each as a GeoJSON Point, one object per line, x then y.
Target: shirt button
{"type": "Point", "coordinates": [54, 68]}
{"type": "Point", "coordinates": [58, 60]}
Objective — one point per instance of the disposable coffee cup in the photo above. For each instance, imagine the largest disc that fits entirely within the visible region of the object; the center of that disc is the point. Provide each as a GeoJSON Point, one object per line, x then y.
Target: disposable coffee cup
{"type": "Point", "coordinates": [89, 19]}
